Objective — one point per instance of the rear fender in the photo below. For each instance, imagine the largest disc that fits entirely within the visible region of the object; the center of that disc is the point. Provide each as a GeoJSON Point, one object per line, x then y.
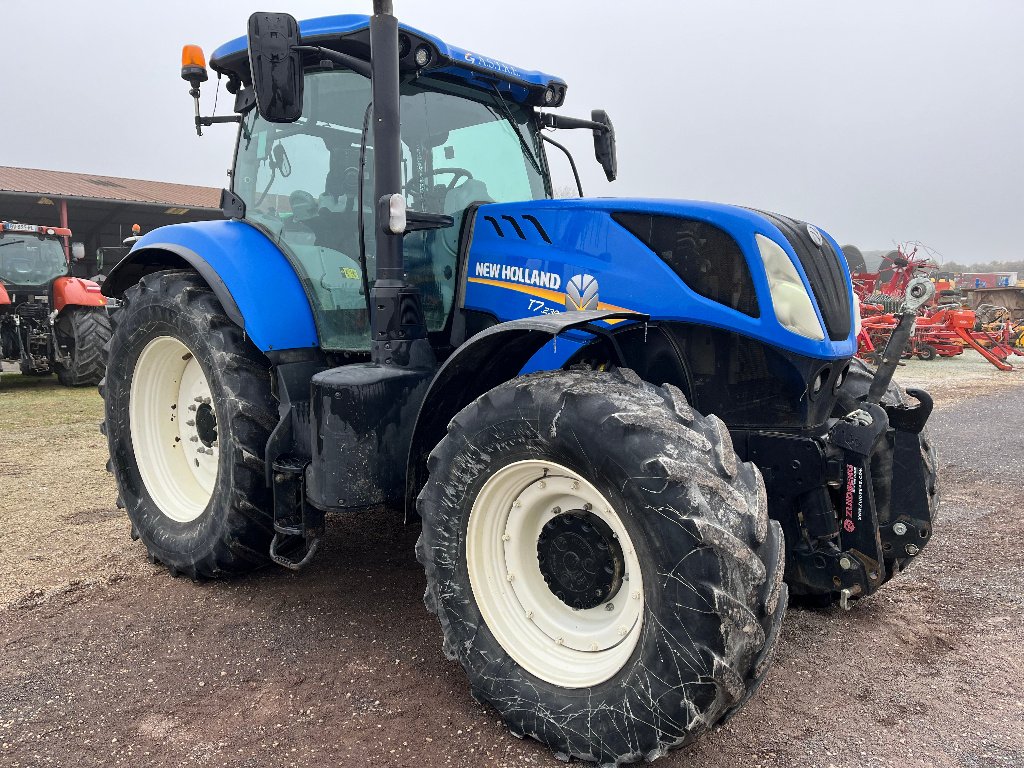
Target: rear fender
{"type": "Point", "coordinates": [489, 358]}
{"type": "Point", "coordinates": [4, 296]}
{"type": "Point", "coordinates": [76, 292]}
{"type": "Point", "coordinates": [252, 279]}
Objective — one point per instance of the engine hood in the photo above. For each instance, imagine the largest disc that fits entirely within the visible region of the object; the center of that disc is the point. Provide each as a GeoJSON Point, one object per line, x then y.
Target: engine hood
{"type": "Point", "coordinates": [547, 256]}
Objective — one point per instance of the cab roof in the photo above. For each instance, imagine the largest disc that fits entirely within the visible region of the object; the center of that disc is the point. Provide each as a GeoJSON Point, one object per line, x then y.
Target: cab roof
{"type": "Point", "coordinates": [350, 33]}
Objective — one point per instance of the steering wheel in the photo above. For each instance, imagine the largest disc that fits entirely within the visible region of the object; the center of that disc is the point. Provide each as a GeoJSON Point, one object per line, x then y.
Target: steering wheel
{"type": "Point", "coordinates": [457, 175]}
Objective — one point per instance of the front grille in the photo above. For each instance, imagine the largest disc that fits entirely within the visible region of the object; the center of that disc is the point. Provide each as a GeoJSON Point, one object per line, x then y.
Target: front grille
{"type": "Point", "coordinates": [824, 271]}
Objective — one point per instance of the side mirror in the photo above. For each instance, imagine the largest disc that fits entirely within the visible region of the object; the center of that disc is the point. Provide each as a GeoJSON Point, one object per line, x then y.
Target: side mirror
{"type": "Point", "coordinates": [604, 144]}
{"type": "Point", "coordinates": [276, 66]}
{"type": "Point", "coordinates": [77, 251]}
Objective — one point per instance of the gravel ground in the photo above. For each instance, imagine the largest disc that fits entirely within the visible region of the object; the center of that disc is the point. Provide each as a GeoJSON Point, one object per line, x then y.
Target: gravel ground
{"type": "Point", "coordinates": [107, 660]}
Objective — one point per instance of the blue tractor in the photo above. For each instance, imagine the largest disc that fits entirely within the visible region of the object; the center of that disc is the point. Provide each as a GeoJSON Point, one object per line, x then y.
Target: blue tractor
{"type": "Point", "coordinates": [628, 428]}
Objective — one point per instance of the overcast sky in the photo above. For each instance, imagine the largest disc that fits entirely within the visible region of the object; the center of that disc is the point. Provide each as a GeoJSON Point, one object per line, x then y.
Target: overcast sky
{"type": "Point", "coordinates": [879, 120]}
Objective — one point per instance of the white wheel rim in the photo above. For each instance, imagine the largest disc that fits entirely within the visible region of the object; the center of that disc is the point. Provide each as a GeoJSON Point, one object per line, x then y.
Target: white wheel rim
{"type": "Point", "coordinates": [571, 648]}
{"type": "Point", "coordinates": [176, 457]}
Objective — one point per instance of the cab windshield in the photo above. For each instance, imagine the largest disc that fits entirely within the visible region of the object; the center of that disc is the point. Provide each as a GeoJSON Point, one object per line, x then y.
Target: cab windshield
{"type": "Point", "coordinates": [28, 260]}
{"type": "Point", "coordinates": [301, 182]}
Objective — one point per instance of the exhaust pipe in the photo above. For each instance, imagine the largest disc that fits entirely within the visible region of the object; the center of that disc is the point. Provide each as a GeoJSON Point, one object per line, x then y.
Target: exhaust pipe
{"type": "Point", "coordinates": [397, 326]}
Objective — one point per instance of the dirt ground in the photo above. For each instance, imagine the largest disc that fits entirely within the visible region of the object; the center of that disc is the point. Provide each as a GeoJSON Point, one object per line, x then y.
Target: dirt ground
{"type": "Point", "coordinates": [107, 660]}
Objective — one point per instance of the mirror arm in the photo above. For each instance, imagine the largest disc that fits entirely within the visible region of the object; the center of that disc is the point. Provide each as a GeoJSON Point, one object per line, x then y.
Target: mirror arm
{"type": "Point", "coordinates": [356, 65]}
{"type": "Point", "coordinates": [549, 120]}
{"type": "Point", "coordinates": [208, 121]}
{"type": "Point", "coordinates": [572, 163]}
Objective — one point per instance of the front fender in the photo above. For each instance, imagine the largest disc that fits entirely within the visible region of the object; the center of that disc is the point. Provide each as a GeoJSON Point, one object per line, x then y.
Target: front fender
{"type": "Point", "coordinates": [74, 291]}
{"type": "Point", "coordinates": [254, 281]}
{"type": "Point", "coordinates": [488, 359]}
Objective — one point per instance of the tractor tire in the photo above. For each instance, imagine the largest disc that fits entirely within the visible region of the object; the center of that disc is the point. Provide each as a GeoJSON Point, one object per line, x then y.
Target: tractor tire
{"type": "Point", "coordinates": [855, 387]}
{"type": "Point", "coordinates": [602, 565]}
{"type": "Point", "coordinates": [927, 352]}
{"type": "Point", "coordinates": [189, 410]}
{"type": "Point", "coordinates": [88, 331]}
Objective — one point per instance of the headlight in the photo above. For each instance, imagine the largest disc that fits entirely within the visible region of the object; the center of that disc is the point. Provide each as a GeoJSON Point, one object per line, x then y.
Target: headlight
{"type": "Point", "coordinates": [793, 307]}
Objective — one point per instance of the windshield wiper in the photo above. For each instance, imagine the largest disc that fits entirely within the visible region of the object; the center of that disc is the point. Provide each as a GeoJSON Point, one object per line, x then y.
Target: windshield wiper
{"type": "Point", "coordinates": [13, 242]}
{"type": "Point", "coordinates": [507, 114]}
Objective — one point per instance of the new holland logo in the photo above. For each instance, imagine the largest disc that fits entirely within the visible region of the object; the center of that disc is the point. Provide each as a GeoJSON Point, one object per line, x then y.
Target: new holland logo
{"type": "Point", "coordinates": [581, 293]}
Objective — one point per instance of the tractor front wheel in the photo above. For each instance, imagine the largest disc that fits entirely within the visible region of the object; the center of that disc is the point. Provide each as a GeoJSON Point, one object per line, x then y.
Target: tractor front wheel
{"type": "Point", "coordinates": [602, 565]}
{"type": "Point", "coordinates": [83, 331]}
{"type": "Point", "coordinates": [189, 410]}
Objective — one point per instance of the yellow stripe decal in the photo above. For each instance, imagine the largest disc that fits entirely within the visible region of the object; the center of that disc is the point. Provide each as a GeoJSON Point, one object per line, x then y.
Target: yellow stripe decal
{"type": "Point", "coordinates": [541, 293]}
{"type": "Point", "coordinates": [556, 297]}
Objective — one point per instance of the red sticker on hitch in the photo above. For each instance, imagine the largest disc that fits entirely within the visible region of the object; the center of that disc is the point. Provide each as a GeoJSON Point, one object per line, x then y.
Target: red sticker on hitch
{"type": "Point", "coordinates": [853, 511]}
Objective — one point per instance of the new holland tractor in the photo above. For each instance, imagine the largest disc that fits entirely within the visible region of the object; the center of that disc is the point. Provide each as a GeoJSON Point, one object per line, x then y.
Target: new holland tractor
{"type": "Point", "coordinates": [50, 322]}
{"type": "Point", "coordinates": [628, 428]}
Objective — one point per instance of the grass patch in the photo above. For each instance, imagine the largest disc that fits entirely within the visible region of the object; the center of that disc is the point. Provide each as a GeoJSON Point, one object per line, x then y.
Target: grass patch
{"type": "Point", "coordinates": [39, 401]}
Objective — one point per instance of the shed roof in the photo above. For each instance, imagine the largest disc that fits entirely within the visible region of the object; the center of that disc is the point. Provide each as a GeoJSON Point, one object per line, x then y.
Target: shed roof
{"type": "Point", "coordinates": [90, 186]}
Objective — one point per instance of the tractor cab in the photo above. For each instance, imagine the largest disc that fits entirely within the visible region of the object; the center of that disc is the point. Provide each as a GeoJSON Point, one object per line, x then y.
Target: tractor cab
{"type": "Point", "coordinates": [31, 257]}
{"type": "Point", "coordinates": [308, 184]}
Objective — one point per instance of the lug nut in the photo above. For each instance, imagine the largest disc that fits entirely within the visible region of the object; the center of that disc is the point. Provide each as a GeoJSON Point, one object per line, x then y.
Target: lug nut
{"type": "Point", "coordinates": [556, 511]}
{"type": "Point", "coordinates": [912, 549]}
{"type": "Point", "coordinates": [899, 529]}
{"type": "Point", "coordinates": [506, 537]}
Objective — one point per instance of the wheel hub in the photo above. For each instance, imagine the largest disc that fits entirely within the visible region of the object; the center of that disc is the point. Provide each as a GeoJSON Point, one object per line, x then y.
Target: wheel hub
{"type": "Point", "coordinates": [174, 428]}
{"type": "Point", "coordinates": [206, 424]}
{"type": "Point", "coordinates": [564, 597]}
{"type": "Point", "coordinates": [580, 559]}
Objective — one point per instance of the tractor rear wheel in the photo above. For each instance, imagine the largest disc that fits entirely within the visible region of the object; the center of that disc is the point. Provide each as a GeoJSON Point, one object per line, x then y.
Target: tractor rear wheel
{"type": "Point", "coordinates": [189, 410]}
{"type": "Point", "coordinates": [602, 565]}
{"type": "Point", "coordinates": [84, 331]}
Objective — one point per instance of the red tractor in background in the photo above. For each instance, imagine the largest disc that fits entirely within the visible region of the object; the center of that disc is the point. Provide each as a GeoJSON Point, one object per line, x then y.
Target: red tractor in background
{"type": "Point", "coordinates": [50, 322]}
